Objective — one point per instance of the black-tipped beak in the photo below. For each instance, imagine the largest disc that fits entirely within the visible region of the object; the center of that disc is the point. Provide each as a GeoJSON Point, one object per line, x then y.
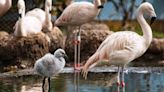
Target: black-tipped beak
{"type": "Point", "coordinates": [152, 20]}
{"type": "Point", "coordinates": [66, 57]}
{"type": "Point", "coordinates": [20, 15]}
{"type": "Point", "coordinates": [50, 11]}
{"type": "Point", "coordinates": [100, 6]}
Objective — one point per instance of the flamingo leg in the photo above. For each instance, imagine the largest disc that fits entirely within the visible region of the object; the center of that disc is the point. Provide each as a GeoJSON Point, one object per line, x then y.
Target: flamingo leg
{"type": "Point", "coordinates": [123, 82]}
{"type": "Point", "coordinates": [43, 83]}
{"type": "Point", "coordinates": [79, 44]}
{"type": "Point", "coordinates": [49, 82]}
{"type": "Point", "coordinates": [77, 49]}
{"type": "Point", "coordinates": [118, 76]}
{"type": "Point", "coordinates": [118, 79]}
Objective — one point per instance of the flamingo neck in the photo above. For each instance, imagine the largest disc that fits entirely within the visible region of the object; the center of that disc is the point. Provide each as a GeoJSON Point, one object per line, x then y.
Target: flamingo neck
{"type": "Point", "coordinates": [23, 13]}
{"type": "Point", "coordinates": [48, 8]}
{"type": "Point", "coordinates": [147, 32]}
{"type": "Point", "coordinates": [92, 61]}
{"type": "Point", "coordinates": [97, 3]}
{"type": "Point", "coordinates": [8, 3]}
{"type": "Point", "coordinates": [22, 30]}
{"type": "Point", "coordinates": [61, 62]}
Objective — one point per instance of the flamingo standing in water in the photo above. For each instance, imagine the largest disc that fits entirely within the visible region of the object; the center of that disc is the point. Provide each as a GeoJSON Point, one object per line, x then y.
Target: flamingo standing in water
{"type": "Point", "coordinates": [5, 5]}
{"type": "Point", "coordinates": [76, 14]}
{"type": "Point", "coordinates": [26, 25]}
{"type": "Point", "coordinates": [50, 65]}
{"type": "Point", "coordinates": [122, 47]}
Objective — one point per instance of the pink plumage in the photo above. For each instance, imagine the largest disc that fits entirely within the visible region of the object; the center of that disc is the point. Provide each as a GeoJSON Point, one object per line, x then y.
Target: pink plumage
{"type": "Point", "coordinates": [78, 13]}
{"type": "Point", "coordinates": [122, 47]}
{"type": "Point", "coordinates": [5, 5]}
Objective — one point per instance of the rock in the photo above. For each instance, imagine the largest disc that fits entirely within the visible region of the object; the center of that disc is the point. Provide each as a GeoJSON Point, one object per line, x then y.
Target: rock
{"type": "Point", "coordinates": [26, 50]}
{"type": "Point", "coordinates": [22, 48]}
{"type": "Point", "coordinates": [157, 46]}
{"type": "Point", "coordinates": [3, 34]}
{"type": "Point", "coordinates": [92, 36]}
{"type": "Point", "coordinates": [57, 39]}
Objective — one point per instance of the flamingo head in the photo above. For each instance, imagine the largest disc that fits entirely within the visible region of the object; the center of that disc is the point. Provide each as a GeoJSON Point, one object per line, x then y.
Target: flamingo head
{"type": "Point", "coordinates": [60, 53]}
{"type": "Point", "coordinates": [21, 7]}
{"type": "Point", "coordinates": [148, 9]}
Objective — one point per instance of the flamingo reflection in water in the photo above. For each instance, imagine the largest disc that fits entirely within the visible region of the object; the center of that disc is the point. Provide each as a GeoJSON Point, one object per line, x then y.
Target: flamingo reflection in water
{"type": "Point", "coordinates": [76, 81]}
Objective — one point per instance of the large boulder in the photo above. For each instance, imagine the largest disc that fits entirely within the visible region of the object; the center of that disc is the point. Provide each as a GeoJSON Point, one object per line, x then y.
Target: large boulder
{"type": "Point", "coordinates": [92, 36]}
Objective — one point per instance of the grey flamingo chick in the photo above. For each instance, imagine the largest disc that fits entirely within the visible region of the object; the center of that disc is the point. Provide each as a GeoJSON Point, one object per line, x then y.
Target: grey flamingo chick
{"type": "Point", "coordinates": [50, 65]}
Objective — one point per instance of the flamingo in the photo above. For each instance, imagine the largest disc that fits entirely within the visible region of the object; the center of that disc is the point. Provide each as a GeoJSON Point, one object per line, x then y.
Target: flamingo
{"type": "Point", "coordinates": [50, 65]}
{"type": "Point", "coordinates": [5, 5]}
{"type": "Point", "coordinates": [76, 14]}
{"type": "Point", "coordinates": [43, 16]}
{"type": "Point", "coordinates": [122, 47]}
{"type": "Point", "coordinates": [39, 13]}
{"type": "Point", "coordinates": [26, 25]}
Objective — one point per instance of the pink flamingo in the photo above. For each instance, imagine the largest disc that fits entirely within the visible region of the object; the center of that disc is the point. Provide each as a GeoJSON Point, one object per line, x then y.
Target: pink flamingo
{"type": "Point", "coordinates": [26, 25]}
{"type": "Point", "coordinates": [5, 5]}
{"type": "Point", "coordinates": [43, 16]}
{"type": "Point", "coordinates": [76, 14]}
{"type": "Point", "coordinates": [120, 48]}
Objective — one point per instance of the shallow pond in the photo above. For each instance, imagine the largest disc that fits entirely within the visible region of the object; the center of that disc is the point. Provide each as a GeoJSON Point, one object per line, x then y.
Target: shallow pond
{"type": "Point", "coordinates": [96, 82]}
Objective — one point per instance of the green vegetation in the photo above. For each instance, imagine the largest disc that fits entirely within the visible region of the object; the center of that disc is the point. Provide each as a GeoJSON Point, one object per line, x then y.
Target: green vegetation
{"type": "Point", "coordinates": [156, 34]}
{"type": "Point", "coordinates": [115, 26]}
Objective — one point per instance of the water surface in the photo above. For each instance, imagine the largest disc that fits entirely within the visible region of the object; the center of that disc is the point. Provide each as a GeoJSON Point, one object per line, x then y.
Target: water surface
{"type": "Point", "coordinates": [96, 82]}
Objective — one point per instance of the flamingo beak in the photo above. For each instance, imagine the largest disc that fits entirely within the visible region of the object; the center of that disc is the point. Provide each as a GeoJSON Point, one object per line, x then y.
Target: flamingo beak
{"type": "Point", "coordinates": [100, 6]}
{"type": "Point", "coordinates": [66, 57]}
{"type": "Point", "coordinates": [152, 20]}
{"type": "Point", "coordinates": [20, 15]}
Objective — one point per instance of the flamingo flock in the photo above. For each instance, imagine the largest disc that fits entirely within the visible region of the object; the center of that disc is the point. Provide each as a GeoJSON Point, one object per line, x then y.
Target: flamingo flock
{"type": "Point", "coordinates": [26, 25]}
{"type": "Point", "coordinates": [117, 49]}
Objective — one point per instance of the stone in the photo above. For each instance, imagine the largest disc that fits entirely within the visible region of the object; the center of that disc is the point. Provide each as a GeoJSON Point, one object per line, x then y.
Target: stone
{"type": "Point", "coordinates": [26, 50]}
{"type": "Point", "coordinates": [157, 45]}
{"type": "Point", "coordinates": [22, 48]}
{"type": "Point", "coordinates": [57, 39]}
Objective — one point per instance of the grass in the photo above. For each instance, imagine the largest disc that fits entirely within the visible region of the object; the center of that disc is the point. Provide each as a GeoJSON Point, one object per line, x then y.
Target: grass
{"type": "Point", "coordinates": [157, 33]}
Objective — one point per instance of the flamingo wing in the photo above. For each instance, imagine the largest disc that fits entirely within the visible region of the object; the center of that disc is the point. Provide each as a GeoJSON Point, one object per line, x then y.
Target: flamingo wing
{"type": "Point", "coordinates": [121, 46]}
